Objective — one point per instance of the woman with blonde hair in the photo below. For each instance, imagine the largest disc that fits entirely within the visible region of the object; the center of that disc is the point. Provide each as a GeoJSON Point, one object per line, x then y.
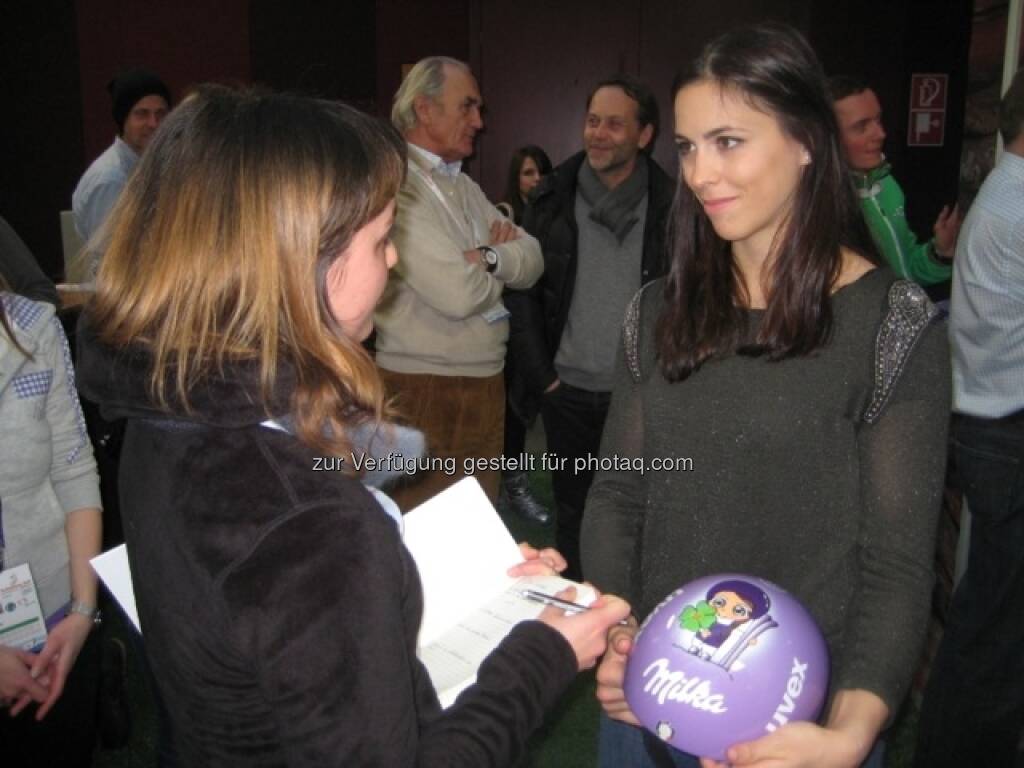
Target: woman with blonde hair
{"type": "Point", "coordinates": [278, 605]}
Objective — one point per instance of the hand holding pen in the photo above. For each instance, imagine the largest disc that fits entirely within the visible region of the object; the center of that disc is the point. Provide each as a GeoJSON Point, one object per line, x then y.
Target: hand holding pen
{"type": "Point", "coordinates": [566, 605]}
{"type": "Point", "coordinates": [586, 630]}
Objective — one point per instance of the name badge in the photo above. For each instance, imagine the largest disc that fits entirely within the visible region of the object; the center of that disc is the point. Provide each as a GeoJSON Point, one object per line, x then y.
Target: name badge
{"type": "Point", "coordinates": [496, 313]}
{"type": "Point", "coordinates": [21, 617]}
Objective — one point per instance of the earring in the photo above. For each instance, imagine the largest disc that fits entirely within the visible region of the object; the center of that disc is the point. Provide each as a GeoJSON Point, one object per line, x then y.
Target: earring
{"type": "Point", "coordinates": [805, 158]}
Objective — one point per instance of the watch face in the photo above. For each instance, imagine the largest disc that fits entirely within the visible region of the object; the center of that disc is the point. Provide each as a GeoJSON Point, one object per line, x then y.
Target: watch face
{"type": "Point", "coordinates": [491, 256]}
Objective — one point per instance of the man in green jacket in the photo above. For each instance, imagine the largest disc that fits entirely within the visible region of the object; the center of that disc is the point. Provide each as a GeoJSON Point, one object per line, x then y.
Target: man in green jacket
{"type": "Point", "coordinates": [859, 116]}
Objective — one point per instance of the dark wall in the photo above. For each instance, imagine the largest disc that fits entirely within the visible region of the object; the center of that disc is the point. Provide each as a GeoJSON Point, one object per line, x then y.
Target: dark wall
{"type": "Point", "coordinates": [536, 61]}
{"type": "Point", "coordinates": [325, 49]}
{"type": "Point", "coordinates": [936, 39]}
{"type": "Point", "coordinates": [41, 132]}
{"type": "Point", "coordinates": [57, 56]}
{"type": "Point", "coordinates": [537, 64]}
{"type": "Point", "coordinates": [917, 36]}
{"type": "Point", "coordinates": [539, 60]}
{"type": "Point", "coordinates": [185, 42]}
{"type": "Point", "coordinates": [409, 30]}
{"type": "Point", "coordinates": [674, 33]}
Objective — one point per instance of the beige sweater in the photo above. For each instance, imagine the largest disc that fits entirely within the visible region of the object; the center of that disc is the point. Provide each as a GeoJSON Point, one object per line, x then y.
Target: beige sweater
{"type": "Point", "coordinates": [431, 318]}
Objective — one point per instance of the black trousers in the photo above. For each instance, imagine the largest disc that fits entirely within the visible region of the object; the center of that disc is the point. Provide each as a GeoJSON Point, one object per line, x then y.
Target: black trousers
{"type": "Point", "coordinates": [515, 434]}
{"type": "Point", "coordinates": [573, 420]}
{"type": "Point", "coordinates": [973, 708]}
{"type": "Point", "coordinates": [66, 737]}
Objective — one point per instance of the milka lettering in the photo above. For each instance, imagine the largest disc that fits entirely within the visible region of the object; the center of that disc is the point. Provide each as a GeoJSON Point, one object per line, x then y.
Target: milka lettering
{"type": "Point", "coordinates": [666, 685]}
{"type": "Point", "coordinates": [794, 688]}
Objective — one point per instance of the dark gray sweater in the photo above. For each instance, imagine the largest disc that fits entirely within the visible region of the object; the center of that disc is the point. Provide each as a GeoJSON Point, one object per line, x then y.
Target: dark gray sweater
{"type": "Point", "coordinates": [795, 479]}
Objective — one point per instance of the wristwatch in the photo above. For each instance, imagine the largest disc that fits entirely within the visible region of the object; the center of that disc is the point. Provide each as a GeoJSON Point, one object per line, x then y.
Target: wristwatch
{"type": "Point", "coordinates": [489, 256]}
{"type": "Point", "coordinates": [91, 612]}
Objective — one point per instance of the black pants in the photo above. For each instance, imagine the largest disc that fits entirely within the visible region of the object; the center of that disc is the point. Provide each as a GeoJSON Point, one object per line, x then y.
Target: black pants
{"type": "Point", "coordinates": [573, 420]}
{"type": "Point", "coordinates": [515, 434]}
{"type": "Point", "coordinates": [66, 737]}
{"type": "Point", "coordinates": [973, 708]}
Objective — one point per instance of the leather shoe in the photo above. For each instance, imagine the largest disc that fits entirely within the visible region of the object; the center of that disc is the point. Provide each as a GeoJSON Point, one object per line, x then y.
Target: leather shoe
{"type": "Point", "coordinates": [517, 498]}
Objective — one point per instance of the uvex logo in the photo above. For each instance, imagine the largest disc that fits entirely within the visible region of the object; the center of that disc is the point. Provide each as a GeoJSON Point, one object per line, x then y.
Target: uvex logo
{"type": "Point", "coordinates": [794, 688]}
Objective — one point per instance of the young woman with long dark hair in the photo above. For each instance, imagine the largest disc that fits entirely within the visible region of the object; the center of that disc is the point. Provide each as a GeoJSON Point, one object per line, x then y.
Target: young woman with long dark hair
{"type": "Point", "coordinates": [529, 164]}
{"type": "Point", "coordinates": [809, 388]}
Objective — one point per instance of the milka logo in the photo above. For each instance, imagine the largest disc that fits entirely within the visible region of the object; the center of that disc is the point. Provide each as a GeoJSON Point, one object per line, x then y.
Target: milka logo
{"type": "Point", "coordinates": [666, 685]}
{"type": "Point", "coordinates": [794, 688]}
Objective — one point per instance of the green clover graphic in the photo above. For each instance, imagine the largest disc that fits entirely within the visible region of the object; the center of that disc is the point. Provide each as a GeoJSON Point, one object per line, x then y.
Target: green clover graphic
{"type": "Point", "coordinates": [696, 617]}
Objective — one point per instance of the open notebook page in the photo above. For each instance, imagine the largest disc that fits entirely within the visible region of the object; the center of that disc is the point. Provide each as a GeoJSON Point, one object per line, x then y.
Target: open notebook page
{"type": "Point", "coordinates": [462, 551]}
{"type": "Point", "coordinates": [453, 658]}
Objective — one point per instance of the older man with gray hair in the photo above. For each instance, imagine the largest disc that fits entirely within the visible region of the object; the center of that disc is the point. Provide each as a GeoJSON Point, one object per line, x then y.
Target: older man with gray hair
{"type": "Point", "coordinates": [441, 326]}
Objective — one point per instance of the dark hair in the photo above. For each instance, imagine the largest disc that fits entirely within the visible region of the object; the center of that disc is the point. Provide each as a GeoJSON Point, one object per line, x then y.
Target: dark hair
{"type": "Point", "coordinates": [841, 86]}
{"type": "Point", "coordinates": [774, 69]}
{"type": "Point", "coordinates": [5, 325]}
{"type": "Point", "coordinates": [512, 197]}
{"type": "Point", "coordinates": [129, 88]}
{"type": "Point", "coordinates": [646, 105]}
{"type": "Point", "coordinates": [751, 594]}
{"type": "Point", "coordinates": [1011, 109]}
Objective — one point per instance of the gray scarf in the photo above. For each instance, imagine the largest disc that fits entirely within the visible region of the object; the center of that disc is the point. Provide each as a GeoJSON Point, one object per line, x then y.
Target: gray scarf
{"type": "Point", "coordinates": [614, 209]}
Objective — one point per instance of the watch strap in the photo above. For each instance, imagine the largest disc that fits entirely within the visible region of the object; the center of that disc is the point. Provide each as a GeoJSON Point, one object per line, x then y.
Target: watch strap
{"type": "Point", "coordinates": [489, 256]}
{"type": "Point", "coordinates": [91, 612]}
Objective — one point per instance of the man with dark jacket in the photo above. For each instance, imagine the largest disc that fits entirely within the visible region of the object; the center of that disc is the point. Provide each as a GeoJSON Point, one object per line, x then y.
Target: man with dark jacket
{"type": "Point", "coordinates": [600, 218]}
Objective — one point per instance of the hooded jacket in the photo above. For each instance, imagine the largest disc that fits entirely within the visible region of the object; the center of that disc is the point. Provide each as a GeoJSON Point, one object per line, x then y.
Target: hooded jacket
{"type": "Point", "coordinates": [279, 607]}
{"type": "Point", "coordinates": [884, 207]}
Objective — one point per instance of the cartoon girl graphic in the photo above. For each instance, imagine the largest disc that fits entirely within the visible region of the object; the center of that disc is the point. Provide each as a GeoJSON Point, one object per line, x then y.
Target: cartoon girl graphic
{"type": "Point", "coordinates": [732, 606]}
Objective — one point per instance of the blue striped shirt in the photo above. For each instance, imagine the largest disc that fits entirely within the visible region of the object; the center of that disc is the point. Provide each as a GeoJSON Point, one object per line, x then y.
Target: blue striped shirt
{"type": "Point", "coordinates": [987, 305]}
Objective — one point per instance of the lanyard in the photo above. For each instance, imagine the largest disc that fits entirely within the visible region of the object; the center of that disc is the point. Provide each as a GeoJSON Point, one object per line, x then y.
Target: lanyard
{"type": "Point", "coordinates": [460, 221]}
{"type": "Point", "coordinates": [498, 312]}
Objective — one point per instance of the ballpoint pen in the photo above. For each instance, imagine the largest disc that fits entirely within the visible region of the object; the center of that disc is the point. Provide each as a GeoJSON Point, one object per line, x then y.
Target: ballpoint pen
{"type": "Point", "coordinates": [566, 605]}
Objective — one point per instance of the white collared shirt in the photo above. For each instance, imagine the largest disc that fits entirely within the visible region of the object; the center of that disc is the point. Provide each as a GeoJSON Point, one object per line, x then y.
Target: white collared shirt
{"type": "Point", "coordinates": [437, 163]}
{"type": "Point", "coordinates": [986, 328]}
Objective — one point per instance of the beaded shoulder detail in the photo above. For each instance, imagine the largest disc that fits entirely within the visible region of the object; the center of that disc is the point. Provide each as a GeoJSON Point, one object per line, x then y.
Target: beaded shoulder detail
{"type": "Point", "coordinates": [909, 312]}
{"type": "Point", "coordinates": [631, 333]}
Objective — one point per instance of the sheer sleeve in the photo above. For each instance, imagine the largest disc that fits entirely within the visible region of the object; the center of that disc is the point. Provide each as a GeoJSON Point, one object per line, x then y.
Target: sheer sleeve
{"type": "Point", "coordinates": [613, 520]}
{"type": "Point", "coordinates": [902, 456]}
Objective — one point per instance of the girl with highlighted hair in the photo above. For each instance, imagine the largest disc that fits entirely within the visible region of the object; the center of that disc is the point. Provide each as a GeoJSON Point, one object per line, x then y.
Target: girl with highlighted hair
{"type": "Point", "coordinates": [279, 607]}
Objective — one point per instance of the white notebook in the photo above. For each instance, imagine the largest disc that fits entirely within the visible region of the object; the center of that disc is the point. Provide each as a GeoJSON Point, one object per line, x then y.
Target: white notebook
{"type": "Point", "coordinates": [462, 551]}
